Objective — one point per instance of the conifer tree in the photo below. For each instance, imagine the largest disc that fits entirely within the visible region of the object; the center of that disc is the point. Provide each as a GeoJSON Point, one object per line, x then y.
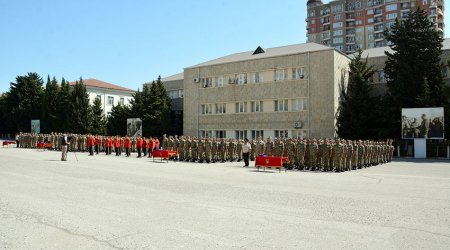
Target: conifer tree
{"type": "Point", "coordinates": [160, 109]}
{"type": "Point", "coordinates": [63, 106]}
{"type": "Point", "coordinates": [356, 114]}
{"type": "Point", "coordinates": [50, 121]}
{"type": "Point", "coordinates": [413, 70]}
{"type": "Point", "coordinates": [97, 118]}
{"type": "Point", "coordinates": [117, 121]}
{"type": "Point", "coordinates": [79, 108]}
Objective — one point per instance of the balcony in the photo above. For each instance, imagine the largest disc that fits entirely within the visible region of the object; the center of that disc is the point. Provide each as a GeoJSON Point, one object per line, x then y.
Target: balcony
{"type": "Point", "coordinates": [378, 12]}
{"type": "Point", "coordinates": [378, 20]}
{"type": "Point", "coordinates": [378, 28]}
{"type": "Point", "coordinates": [350, 17]}
{"type": "Point", "coordinates": [405, 6]}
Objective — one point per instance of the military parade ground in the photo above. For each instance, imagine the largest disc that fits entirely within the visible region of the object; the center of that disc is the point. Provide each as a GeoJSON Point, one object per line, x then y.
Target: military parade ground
{"type": "Point", "coordinates": [108, 202]}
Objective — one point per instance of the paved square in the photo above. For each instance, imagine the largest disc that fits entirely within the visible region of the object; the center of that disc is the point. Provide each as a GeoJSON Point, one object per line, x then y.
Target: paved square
{"type": "Point", "coordinates": [108, 202]}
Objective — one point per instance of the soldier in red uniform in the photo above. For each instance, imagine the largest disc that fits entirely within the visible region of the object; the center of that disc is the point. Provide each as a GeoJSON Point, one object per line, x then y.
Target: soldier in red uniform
{"type": "Point", "coordinates": [144, 146]}
{"type": "Point", "coordinates": [117, 145]}
{"type": "Point", "coordinates": [139, 146]}
{"type": "Point", "coordinates": [128, 146]}
{"type": "Point", "coordinates": [156, 144]}
{"type": "Point", "coordinates": [97, 144]}
{"type": "Point", "coordinates": [150, 145]}
{"type": "Point", "coordinates": [91, 144]}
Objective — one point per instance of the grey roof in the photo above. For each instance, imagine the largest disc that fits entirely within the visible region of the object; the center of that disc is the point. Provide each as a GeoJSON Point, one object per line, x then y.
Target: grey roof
{"type": "Point", "coordinates": [269, 52]}
{"type": "Point", "coordinates": [379, 52]}
{"type": "Point", "coordinates": [176, 77]}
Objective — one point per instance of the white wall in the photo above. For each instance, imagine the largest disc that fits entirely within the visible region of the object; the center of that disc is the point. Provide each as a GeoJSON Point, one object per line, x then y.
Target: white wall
{"type": "Point", "coordinates": [104, 94]}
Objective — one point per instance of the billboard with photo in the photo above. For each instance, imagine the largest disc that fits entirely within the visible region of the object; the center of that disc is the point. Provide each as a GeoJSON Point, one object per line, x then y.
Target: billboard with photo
{"type": "Point", "coordinates": [36, 126]}
{"type": "Point", "coordinates": [134, 127]}
{"type": "Point", "coordinates": [425, 123]}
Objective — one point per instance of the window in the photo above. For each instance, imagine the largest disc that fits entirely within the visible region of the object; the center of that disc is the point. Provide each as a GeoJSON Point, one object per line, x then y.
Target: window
{"type": "Point", "coordinates": [298, 104]}
{"type": "Point", "coordinates": [221, 108]}
{"type": "Point", "coordinates": [338, 32]}
{"type": "Point", "coordinates": [338, 40]}
{"type": "Point", "coordinates": [206, 109]}
{"type": "Point", "coordinates": [299, 134]}
{"type": "Point", "coordinates": [108, 114]}
{"type": "Point", "coordinates": [173, 94]}
{"type": "Point", "coordinates": [257, 133]}
{"type": "Point", "coordinates": [337, 8]}
{"type": "Point", "coordinates": [256, 106]}
{"type": "Point", "coordinates": [337, 16]}
{"type": "Point", "coordinates": [381, 77]}
{"type": "Point", "coordinates": [358, 5]}
{"type": "Point", "coordinates": [370, 28]}
{"type": "Point", "coordinates": [337, 25]}
{"type": "Point", "coordinates": [220, 81]}
{"type": "Point", "coordinates": [221, 134]}
{"type": "Point", "coordinates": [98, 97]}
{"type": "Point", "coordinates": [358, 22]}
{"type": "Point", "coordinates": [281, 134]}
{"type": "Point", "coordinates": [359, 30]}
{"type": "Point", "coordinates": [241, 78]}
{"type": "Point", "coordinates": [370, 12]}
{"type": "Point", "coordinates": [122, 101]}
{"type": "Point", "coordinates": [110, 100]}
{"type": "Point", "coordinates": [281, 105]}
{"type": "Point", "coordinates": [206, 133]}
{"type": "Point", "coordinates": [298, 73]}
{"type": "Point", "coordinates": [206, 82]}
{"type": "Point", "coordinates": [241, 134]}
{"type": "Point", "coordinates": [391, 7]}
{"type": "Point", "coordinates": [280, 75]}
{"type": "Point", "coordinates": [391, 16]}
{"type": "Point", "coordinates": [257, 77]}
{"type": "Point", "coordinates": [241, 107]}
{"type": "Point", "coordinates": [180, 93]}
{"type": "Point", "coordinates": [370, 20]}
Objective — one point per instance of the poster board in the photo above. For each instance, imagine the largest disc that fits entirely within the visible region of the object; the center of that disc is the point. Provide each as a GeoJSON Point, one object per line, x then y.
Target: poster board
{"type": "Point", "coordinates": [423, 123]}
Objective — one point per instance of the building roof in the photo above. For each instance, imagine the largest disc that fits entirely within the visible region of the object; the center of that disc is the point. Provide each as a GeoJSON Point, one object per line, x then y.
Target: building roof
{"type": "Point", "coordinates": [270, 52]}
{"type": "Point", "coordinates": [179, 76]}
{"type": "Point", "coordinates": [380, 51]}
{"type": "Point", "coordinates": [102, 85]}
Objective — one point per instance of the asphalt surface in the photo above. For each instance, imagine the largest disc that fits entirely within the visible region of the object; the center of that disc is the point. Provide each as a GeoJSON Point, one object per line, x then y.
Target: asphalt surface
{"type": "Point", "coordinates": [108, 202]}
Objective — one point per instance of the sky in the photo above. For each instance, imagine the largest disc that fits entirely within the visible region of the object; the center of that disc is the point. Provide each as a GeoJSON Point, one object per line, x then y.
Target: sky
{"type": "Point", "coordinates": [129, 43]}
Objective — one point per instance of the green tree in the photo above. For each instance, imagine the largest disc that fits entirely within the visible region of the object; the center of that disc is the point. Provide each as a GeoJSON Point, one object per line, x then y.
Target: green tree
{"type": "Point", "coordinates": [117, 121]}
{"type": "Point", "coordinates": [79, 108]}
{"type": "Point", "coordinates": [356, 114]}
{"type": "Point", "coordinates": [50, 119]}
{"type": "Point", "coordinates": [23, 102]}
{"type": "Point", "coordinates": [97, 118]}
{"type": "Point", "coordinates": [160, 109]}
{"type": "Point", "coordinates": [413, 70]}
{"type": "Point", "coordinates": [63, 105]}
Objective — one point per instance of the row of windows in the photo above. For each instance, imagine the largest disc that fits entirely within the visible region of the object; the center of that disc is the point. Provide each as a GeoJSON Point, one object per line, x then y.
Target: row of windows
{"type": "Point", "coordinates": [110, 100]}
{"type": "Point", "coordinates": [253, 134]}
{"type": "Point", "coordinates": [255, 77]}
{"type": "Point", "coordinates": [178, 93]}
{"type": "Point", "coordinates": [254, 106]}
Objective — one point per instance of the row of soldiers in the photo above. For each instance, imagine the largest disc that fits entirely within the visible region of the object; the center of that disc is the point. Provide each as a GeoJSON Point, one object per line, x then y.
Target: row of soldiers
{"type": "Point", "coordinates": [79, 142]}
{"type": "Point", "coordinates": [303, 154]}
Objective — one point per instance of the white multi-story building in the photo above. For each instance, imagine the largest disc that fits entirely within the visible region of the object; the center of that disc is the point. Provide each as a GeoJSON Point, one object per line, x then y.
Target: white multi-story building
{"type": "Point", "coordinates": [110, 94]}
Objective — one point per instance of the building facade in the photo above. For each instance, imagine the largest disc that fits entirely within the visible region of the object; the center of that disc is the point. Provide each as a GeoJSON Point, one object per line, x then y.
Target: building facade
{"type": "Point", "coordinates": [290, 91]}
{"type": "Point", "coordinates": [109, 94]}
{"type": "Point", "coordinates": [349, 25]}
{"type": "Point", "coordinates": [174, 87]}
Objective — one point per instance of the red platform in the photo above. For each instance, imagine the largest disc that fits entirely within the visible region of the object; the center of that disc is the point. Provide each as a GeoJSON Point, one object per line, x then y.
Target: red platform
{"type": "Point", "coordinates": [6, 143]}
{"type": "Point", "coordinates": [270, 162]}
{"type": "Point", "coordinates": [43, 145]}
{"type": "Point", "coordinates": [163, 154]}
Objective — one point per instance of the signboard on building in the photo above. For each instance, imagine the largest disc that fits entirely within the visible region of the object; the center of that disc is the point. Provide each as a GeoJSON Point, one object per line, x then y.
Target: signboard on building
{"type": "Point", "coordinates": [423, 123]}
{"type": "Point", "coordinates": [36, 126]}
{"type": "Point", "coordinates": [134, 127]}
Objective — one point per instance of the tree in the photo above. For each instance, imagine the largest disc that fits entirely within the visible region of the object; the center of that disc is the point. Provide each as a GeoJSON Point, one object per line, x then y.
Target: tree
{"type": "Point", "coordinates": [23, 102]}
{"type": "Point", "coordinates": [117, 121]}
{"type": "Point", "coordinates": [97, 118]}
{"type": "Point", "coordinates": [79, 108]}
{"type": "Point", "coordinates": [160, 109]}
{"type": "Point", "coordinates": [49, 106]}
{"type": "Point", "coordinates": [63, 105]}
{"type": "Point", "coordinates": [413, 70]}
{"type": "Point", "coordinates": [356, 114]}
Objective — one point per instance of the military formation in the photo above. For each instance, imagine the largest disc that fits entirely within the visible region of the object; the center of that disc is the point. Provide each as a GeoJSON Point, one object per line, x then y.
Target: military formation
{"type": "Point", "coordinates": [303, 154]}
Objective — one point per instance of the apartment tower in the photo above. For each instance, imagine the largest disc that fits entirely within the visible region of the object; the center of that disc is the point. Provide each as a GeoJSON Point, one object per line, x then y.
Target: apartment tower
{"type": "Point", "coordinates": [349, 25]}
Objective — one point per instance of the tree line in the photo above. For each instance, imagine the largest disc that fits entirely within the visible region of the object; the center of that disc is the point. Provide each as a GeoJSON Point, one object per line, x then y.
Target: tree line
{"type": "Point", "coordinates": [66, 108]}
{"type": "Point", "coordinates": [414, 74]}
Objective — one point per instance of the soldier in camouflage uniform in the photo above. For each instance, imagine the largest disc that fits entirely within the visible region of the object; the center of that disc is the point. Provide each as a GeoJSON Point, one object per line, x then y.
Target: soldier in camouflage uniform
{"type": "Point", "coordinates": [208, 148]}
{"type": "Point", "coordinates": [222, 149]}
{"type": "Point", "coordinates": [337, 156]}
{"type": "Point", "coordinates": [290, 149]}
{"type": "Point", "coordinates": [300, 150]}
{"type": "Point", "coordinates": [201, 150]}
{"type": "Point", "coordinates": [215, 150]}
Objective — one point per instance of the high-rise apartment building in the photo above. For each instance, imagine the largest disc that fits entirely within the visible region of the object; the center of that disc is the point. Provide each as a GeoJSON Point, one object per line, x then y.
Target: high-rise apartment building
{"type": "Point", "coordinates": [349, 25]}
